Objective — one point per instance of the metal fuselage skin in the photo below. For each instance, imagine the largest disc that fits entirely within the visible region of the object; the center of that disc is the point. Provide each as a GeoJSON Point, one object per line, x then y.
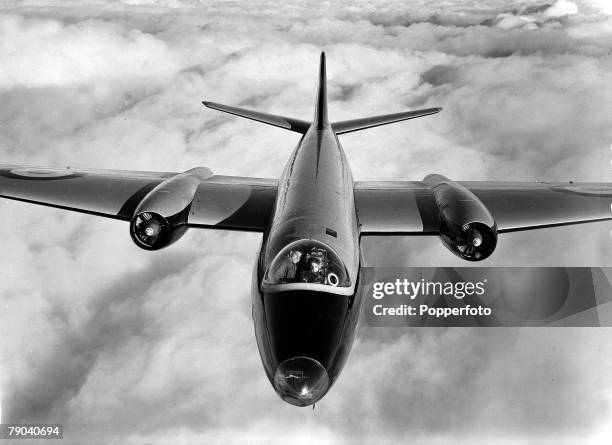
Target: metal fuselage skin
{"type": "Point", "coordinates": [315, 201]}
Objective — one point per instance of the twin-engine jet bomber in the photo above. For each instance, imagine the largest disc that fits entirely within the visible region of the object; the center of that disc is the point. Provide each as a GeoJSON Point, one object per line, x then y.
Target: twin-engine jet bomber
{"type": "Point", "coordinates": [305, 283]}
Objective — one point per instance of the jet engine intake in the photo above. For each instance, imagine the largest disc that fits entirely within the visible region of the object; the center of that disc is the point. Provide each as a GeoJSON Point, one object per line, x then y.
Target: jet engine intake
{"type": "Point", "coordinates": [161, 217]}
{"type": "Point", "coordinates": [152, 231]}
{"type": "Point", "coordinates": [466, 226]}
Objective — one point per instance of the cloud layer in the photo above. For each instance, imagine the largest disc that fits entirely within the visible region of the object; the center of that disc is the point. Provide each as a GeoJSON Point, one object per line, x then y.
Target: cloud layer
{"type": "Point", "coordinates": [127, 346]}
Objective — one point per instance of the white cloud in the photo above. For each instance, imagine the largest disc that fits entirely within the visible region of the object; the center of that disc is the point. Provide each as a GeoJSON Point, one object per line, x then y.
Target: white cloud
{"type": "Point", "coordinates": [561, 8]}
{"type": "Point", "coordinates": [602, 6]}
{"type": "Point", "coordinates": [40, 53]}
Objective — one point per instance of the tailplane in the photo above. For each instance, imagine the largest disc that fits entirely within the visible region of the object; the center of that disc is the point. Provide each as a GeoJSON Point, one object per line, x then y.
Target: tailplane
{"type": "Point", "coordinates": [288, 123]}
{"type": "Point", "coordinates": [374, 121]}
{"type": "Point", "coordinates": [321, 120]}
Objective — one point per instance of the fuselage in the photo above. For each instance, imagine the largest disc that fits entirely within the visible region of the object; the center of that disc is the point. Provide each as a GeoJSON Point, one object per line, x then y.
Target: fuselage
{"type": "Point", "coordinates": [305, 304]}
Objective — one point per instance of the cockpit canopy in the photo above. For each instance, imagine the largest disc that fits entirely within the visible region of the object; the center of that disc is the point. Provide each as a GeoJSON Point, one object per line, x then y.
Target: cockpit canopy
{"type": "Point", "coordinates": [307, 261]}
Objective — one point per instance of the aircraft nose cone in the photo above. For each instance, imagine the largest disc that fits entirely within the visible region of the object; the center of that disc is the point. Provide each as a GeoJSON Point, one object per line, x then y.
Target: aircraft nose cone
{"type": "Point", "coordinates": [301, 381]}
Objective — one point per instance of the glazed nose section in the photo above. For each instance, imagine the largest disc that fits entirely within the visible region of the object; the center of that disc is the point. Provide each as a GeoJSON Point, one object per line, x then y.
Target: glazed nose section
{"type": "Point", "coordinates": [301, 381]}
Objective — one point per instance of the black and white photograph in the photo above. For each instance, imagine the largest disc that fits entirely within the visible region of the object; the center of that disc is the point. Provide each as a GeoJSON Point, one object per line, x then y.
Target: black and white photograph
{"type": "Point", "coordinates": [352, 222]}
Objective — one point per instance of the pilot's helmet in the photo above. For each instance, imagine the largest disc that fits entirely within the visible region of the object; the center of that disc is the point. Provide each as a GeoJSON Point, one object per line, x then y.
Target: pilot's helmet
{"type": "Point", "coordinates": [316, 264]}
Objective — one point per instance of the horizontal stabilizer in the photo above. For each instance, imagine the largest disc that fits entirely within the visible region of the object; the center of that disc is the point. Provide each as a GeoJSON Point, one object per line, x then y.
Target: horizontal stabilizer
{"type": "Point", "coordinates": [288, 123]}
{"type": "Point", "coordinates": [374, 121]}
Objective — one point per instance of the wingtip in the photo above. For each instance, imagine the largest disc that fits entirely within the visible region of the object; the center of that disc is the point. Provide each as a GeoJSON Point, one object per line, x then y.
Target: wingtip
{"type": "Point", "coordinates": [438, 109]}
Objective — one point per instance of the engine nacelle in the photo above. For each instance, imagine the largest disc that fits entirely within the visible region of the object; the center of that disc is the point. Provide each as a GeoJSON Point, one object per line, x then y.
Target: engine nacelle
{"type": "Point", "coordinates": [466, 226]}
{"type": "Point", "coordinates": [161, 217]}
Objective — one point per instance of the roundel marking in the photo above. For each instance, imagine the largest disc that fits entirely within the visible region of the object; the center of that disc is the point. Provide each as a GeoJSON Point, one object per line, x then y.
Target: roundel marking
{"type": "Point", "coordinates": [586, 189]}
{"type": "Point", "coordinates": [42, 173]}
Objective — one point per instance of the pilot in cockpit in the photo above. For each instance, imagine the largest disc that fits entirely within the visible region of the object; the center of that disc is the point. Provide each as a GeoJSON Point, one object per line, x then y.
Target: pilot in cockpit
{"type": "Point", "coordinates": [315, 273]}
{"type": "Point", "coordinates": [287, 269]}
{"type": "Point", "coordinates": [307, 262]}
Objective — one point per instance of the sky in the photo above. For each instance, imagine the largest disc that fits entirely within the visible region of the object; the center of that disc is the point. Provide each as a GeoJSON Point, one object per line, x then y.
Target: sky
{"type": "Point", "coordinates": [125, 346]}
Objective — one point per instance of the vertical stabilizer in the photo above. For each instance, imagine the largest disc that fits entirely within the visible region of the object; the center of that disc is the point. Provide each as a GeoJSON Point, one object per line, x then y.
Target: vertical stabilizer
{"type": "Point", "coordinates": [320, 117]}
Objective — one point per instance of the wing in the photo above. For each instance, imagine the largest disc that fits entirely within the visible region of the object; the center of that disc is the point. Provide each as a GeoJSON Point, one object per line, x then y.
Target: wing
{"type": "Point", "coordinates": [396, 207]}
{"type": "Point", "coordinates": [109, 193]}
{"type": "Point", "coordinates": [233, 203]}
{"type": "Point", "coordinates": [522, 206]}
{"type": "Point", "coordinates": [404, 207]}
{"type": "Point", "coordinates": [222, 202]}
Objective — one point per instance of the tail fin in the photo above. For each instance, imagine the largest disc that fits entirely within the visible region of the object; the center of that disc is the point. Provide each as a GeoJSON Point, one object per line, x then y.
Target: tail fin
{"type": "Point", "coordinates": [320, 117]}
